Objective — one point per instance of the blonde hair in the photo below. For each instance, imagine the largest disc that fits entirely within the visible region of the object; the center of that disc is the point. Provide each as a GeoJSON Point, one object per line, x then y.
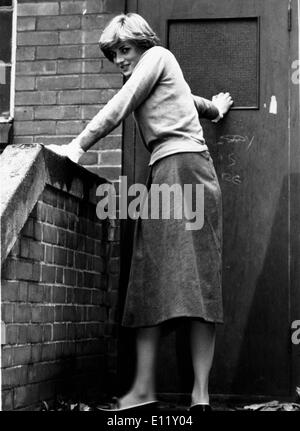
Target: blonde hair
{"type": "Point", "coordinates": [129, 27]}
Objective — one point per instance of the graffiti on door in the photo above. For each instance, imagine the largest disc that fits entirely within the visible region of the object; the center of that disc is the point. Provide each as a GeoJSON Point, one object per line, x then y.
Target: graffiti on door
{"type": "Point", "coordinates": [229, 147]}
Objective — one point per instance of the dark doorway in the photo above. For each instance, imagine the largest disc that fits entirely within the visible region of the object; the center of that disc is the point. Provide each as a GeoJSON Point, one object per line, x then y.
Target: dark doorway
{"type": "Point", "coordinates": [242, 47]}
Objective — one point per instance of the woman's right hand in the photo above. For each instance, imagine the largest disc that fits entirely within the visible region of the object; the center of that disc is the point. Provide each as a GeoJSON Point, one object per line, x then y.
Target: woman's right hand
{"type": "Point", "coordinates": [72, 150]}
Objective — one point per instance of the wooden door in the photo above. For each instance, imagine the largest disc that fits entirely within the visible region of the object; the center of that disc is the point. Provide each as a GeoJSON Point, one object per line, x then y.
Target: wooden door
{"type": "Point", "coordinates": [241, 47]}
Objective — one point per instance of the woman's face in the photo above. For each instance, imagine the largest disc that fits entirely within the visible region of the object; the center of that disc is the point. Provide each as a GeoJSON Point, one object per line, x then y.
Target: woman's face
{"type": "Point", "coordinates": [126, 57]}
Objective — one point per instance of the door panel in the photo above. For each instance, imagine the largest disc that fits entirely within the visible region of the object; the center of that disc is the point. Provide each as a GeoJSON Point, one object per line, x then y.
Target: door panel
{"type": "Point", "coordinates": [241, 47]}
{"type": "Point", "coordinates": [231, 49]}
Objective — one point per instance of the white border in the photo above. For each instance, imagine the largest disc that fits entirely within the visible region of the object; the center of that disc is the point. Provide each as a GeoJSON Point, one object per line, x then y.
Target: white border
{"type": "Point", "coordinates": [11, 115]}
{"type": "Point", "coordinates": [299, 41]}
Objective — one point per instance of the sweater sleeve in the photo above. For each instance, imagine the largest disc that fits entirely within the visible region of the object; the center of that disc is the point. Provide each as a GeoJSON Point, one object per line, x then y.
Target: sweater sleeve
{"type": "Point", "coordinates": [206, 108]}
{"type": "Point", "coordinates": [136, 89]}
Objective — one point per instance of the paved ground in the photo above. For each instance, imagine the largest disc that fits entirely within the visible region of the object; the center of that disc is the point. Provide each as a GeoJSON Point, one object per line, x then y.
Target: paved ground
{"type": "Point", "coordinates": [171, 404]}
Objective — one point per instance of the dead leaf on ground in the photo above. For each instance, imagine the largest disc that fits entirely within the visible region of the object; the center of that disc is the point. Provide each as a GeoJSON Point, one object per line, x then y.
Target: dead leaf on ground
{"type": "Point", "coordinates": [273, 406]}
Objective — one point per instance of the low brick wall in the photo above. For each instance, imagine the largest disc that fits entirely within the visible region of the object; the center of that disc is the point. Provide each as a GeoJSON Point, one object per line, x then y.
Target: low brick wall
{"type": "Point", "coordinates": [59, 287]}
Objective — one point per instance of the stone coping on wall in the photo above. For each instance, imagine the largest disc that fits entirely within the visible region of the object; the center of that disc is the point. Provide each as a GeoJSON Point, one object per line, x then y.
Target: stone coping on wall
{"type": "Point", "coordinates": [25, 170]}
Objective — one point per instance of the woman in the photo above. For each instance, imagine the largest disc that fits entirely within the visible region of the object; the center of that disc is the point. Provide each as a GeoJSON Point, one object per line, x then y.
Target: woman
{"type": "Point", "coordinates": [175, 272]}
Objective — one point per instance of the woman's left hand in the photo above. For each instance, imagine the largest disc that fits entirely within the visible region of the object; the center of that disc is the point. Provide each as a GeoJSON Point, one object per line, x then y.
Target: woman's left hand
{"type": "Point", "coordinates": [223, 102]}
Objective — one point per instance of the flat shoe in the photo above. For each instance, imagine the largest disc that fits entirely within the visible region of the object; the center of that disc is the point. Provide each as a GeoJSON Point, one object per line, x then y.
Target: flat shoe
{"type": "Point", "coordinates": [114, 406]}
{"type": "Point", "coordinates": [199, 408]}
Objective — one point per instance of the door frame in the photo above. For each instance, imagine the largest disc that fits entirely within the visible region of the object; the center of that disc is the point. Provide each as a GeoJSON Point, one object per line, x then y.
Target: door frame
{"type": "Point", "coordinates": [294, 138]}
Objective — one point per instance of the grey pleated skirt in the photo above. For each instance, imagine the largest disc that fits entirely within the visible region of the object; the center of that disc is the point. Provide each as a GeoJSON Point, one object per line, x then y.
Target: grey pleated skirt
{"type": "Point", "coordinates": [176, 272]}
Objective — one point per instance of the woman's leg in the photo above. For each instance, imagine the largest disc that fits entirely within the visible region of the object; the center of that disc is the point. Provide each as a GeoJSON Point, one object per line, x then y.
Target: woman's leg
{"type": "Point", "coordinates": [202, 349]}
{"type": "Point", "coordinates": [143, 388]}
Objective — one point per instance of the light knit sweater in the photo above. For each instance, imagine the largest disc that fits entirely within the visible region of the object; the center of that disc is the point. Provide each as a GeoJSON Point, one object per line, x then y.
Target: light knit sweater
{"type": "Point", "coordinates": [166, 113]}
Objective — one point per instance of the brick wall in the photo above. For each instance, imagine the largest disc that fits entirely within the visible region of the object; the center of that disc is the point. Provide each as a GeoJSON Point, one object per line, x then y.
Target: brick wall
{"type": "Point", "coordinates": [62, 79]}
{"type": "Point", "coordinates": [59, 298]}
